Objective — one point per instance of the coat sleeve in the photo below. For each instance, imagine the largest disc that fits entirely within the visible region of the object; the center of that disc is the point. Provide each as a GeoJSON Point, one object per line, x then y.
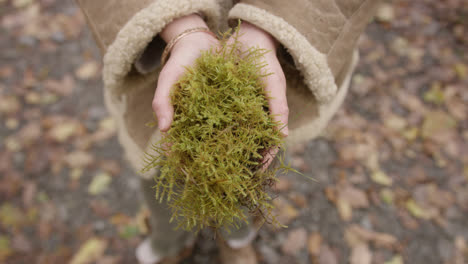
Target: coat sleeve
{"type": "Point", "coordinates": [320, 35]}
{"type": "Point", "coordinates": [127, 33]}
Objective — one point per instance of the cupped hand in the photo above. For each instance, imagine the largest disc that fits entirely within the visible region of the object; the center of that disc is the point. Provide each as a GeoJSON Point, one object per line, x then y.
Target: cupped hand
{"type": "Point", "coordinates": [275, 83]}
{"type": "Point", "coordinates": [183, 54]}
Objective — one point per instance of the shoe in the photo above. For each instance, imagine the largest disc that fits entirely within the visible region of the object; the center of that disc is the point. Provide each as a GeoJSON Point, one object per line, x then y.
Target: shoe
{"type": "Point", "coordinates": [146, 255]}
{"type": "Point", "coordinates": [242, 255]}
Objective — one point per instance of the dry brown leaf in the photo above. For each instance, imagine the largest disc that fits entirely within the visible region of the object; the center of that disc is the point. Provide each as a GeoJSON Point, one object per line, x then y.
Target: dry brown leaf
{"type": "Point", "coordinates": [295, 241]}
{"type": "Point", "coordinates": [285, 213]}
{"type": "Point", "coordinates": [283, 184]}
{"type": "Point", "coordinates": [438, 126]}
{"type": "Point", "coordinates": [62, 131]}
{"type": "Point", "coordinates": [63, 87]}
{"type": "Point", "coordinates": [344, 209]}
{"type": "Point", "coordinates": [385, 13]}
{"type": "Point", "coordinates": [327, 256]}
{"type": "Point", "coordinates": [79, 159]}
{"type": "Point", "coordinates": [357, 234]}
{"type": "Point", "coordinates": [314, 243]}
{"type": "Point", "coordinates": [355, 197]}
{"type": "Point", "coordinates": [360, 254]}
{"type": "Point", "coordinates": [87, 70]}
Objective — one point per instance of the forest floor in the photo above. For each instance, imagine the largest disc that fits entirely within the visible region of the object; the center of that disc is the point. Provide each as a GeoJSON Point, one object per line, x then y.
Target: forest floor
{"type": "Point", "coordinates": [391, 170]}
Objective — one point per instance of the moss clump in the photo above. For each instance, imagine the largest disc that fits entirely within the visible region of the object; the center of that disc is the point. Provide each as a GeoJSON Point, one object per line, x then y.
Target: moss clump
{"type": "Point", "coordinates": [210, 169]}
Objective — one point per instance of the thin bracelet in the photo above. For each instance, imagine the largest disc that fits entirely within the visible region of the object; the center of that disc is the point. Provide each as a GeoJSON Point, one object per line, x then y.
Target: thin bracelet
{"type": "Point", "coordinates": [173, 41]}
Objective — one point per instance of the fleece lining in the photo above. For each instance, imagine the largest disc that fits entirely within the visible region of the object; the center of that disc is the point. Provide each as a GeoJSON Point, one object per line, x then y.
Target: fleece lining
{"type": "Point", "coordinates": [138, 32]}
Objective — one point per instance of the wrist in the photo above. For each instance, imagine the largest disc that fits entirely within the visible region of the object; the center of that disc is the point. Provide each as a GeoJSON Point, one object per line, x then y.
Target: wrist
{"type": "Point", "coordinates": [180, 25]}
{"type": "Point", "coordinates": [257, 36]}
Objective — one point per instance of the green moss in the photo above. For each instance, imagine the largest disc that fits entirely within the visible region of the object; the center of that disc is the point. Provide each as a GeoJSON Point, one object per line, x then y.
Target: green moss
{"type": "Point", "coordinates": [221, 127]}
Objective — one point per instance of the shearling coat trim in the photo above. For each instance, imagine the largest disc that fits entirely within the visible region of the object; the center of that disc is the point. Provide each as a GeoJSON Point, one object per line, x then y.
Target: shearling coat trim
{"type": "Point", "coordinates": [326, 111]}
{"type": "Point", "coordinates": [133, 38]}
{"type": "Point", "coordinates": [312, 64]}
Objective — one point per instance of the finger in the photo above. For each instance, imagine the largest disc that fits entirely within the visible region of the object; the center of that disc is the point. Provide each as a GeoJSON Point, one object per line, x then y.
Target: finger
{"type": "Point", "coordinates": [268, 158]}
{"type": "Point", "coordinates": [275, 86]}
{"type": "Point", "coordinates": [162, 102]}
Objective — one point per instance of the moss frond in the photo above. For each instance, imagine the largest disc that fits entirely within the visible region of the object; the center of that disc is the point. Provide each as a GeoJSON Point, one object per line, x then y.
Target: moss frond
{"type": "Point", "coordinates": [211, 170]}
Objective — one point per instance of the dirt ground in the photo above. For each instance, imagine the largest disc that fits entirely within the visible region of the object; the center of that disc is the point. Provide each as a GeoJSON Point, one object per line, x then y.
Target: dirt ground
{"type": "Point", "coordinates": [391, 170]}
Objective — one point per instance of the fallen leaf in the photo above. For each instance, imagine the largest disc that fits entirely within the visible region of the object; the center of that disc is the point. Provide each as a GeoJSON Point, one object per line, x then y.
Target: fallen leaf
{"type": "Point", "coordinates": [435, 94]}
{"type": "Point", "coordinates": [99, 183]}
{"type": "Point", "coordinates": [438, 126]}
{"type": "Point", "coordinates": [381, 178]}
{"type": "Point", "coordinates": [141, 220]}
{"type": "Point", "coordinates": [344, 209]}
{"type": "Point", "coordinates": [416, 210]}
{"type": "Point", "coordinates": [22, 3]}
{"type": "Point", "coordinates": [285, 213]}
{"type": "Point", "coordinates": [385, 13]}
{"type": "Point", "coordinates": [79, 159]}
{"type": "Point", "coordinates": [355, 197]}
{"type": "Point", "coordinates": [129, 231]}
{"type": "Point", "coordinates": [11, 216]}
{"type": "Point", "coordinates": [11, 123]}
{"type": "Point", "coordinates": [295, 241]}
{"type": "Point", "coordinates": [387, 196]}
{"type": "Point", "coordinates": [5, 248]}
{"type": "Point", "coordinates": [411, 133]}
{"type": "Point", "coordinates": [76, 173]}
{"type": "Point", "coordinates": [107, 129]}
{"type": "Point", "coordinates": [87, 70]}
{"type": "Point", "coordinates": [360, 254]}
{"type": "Point", "coordinates": [395, 260]}
{"type": "Point", "coordinates": [395, 122]}
{"type": "Point", "coordinates": [298, 198]}
{"type": "Point", "coordinates": [9, 104]}
{"type": "Point", "coordinates": [63, 131]}
{"type": "Point", "coordinates": [21, 243]}
{"type": "Point", "coordinates": [461, 70]}
{"type": "Point", "coordinates": [327, 256]}
{"type": "Point", "coordinates": [314, 243]}
{"type": "Point", "coordinates": [356, 234]}
{"type": "Point", "coordinates": [90, 251]}
{"type": "Point", "coordinates": [283, 184]}
{"type": "Point", "coordinates": [63, 87]}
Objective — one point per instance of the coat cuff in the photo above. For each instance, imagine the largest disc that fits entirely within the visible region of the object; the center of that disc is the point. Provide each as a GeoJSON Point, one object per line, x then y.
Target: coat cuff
{"type": "Point", "coordinates": [133, 39]}
{"type": "Point", "coordinates": [311, 63]}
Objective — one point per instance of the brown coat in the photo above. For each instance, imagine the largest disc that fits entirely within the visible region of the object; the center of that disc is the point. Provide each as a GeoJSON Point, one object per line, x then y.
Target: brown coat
{"type": "Point", "coordinates": [318, 40]}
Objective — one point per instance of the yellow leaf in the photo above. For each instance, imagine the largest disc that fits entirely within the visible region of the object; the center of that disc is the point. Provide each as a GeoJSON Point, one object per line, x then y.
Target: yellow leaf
{"type": "Point", "coordinates": [395, 260]}
{"type": "Point", "coordinates": [411, 133]}
{"type": "Point", "coordinates": [435, 94]}
{"type": "Point", "coordinates": [387, 196]}
{"type": "Point", "coordinates": [63, 131]}
{"type": "Point", "coordinates": [87, 71]}
{"type": "Point", "coordinates": [5, 249]}
{"type": "Point", "coordinates": [416, 210]}
{"type": "Point", "coordinates": [466, 172]}
{"type": "Point", "coordinates": [461, 70]}
{"type": "Point", "coordinates": [395, 122]}
{"type": "Point", "coordinates": [99, 183]}
{"type": "Point", "coordinates": [90, 251]}
{"type": "Point", "coordinates": [381, 178]}
{"type": "Point", "coordinates": [344, 209]}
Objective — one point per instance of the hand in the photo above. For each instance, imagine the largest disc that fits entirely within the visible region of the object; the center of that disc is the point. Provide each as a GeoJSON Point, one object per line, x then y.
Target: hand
{"type": "Point", "coordinates": [183, 53]}
{"type": "Point", "coordinates": [275, 83]}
